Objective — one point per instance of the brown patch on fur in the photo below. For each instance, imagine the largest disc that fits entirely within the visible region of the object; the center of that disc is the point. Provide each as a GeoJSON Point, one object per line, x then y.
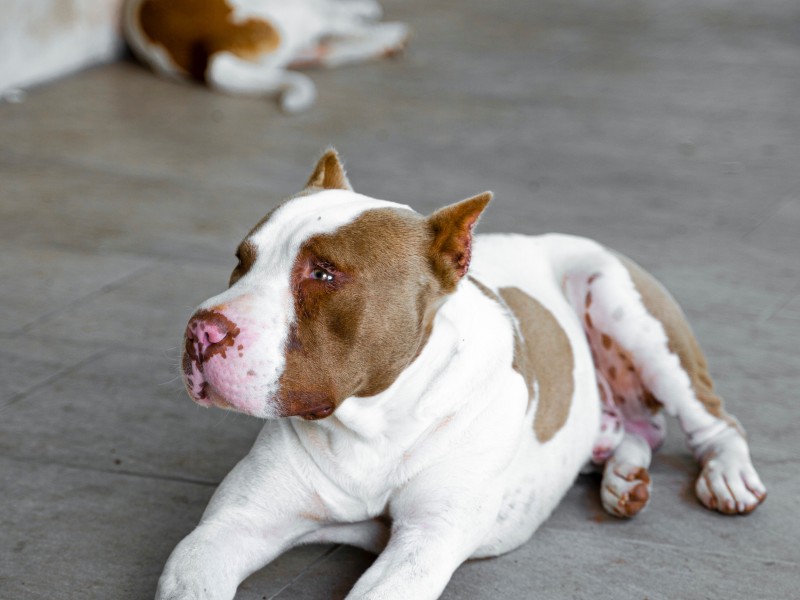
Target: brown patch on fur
{"type": "Point", "coordinates": [607, 341]}
{"type": "Point", "coordinates": [192, 31]}
{"type": "Point", "coordinates": [451, 229]}
{"type": "Point", "coordinates": [682, 341]}
{"type": "Point", "coordinates": [361, 330]}
{"type": "Point", "coordinates": [329, 173]}
{"type": "Point", "coordinates": [588, 318]}
{"type": "Point", "coordinates": [651, 402]}
{"type": "Point", "coordinates": [545, 355]}
{"type": "Point", "coordinates": [246, 255]}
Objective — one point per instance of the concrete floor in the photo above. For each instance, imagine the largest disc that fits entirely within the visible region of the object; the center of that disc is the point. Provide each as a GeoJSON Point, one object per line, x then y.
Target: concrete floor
{"type": "Point", "coordinates": [668, 130]}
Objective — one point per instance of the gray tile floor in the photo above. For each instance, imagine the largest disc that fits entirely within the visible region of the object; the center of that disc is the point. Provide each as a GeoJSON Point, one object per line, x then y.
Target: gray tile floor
{"type": "Point", "coordinates": [668, 130]}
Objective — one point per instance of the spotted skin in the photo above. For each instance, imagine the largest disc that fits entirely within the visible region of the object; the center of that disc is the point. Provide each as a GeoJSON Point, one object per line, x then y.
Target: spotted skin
{"type": "Point", "coordinates": [648, 363]}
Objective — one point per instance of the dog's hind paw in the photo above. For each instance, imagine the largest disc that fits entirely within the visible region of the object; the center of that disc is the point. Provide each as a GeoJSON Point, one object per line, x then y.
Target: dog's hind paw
{"type": "Point", "coordinates": [625, 489]}
{"type": "Point", "coordinates": [729, 489]}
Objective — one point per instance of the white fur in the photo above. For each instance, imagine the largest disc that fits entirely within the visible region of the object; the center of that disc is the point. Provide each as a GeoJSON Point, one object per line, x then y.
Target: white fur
{"type": "Point", "coordinates": [448, 451]}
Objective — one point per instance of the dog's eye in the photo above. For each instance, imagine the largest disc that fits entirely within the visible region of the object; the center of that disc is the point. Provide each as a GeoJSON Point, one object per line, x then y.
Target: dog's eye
{"type": "Point", "coordinates": [320, 274]}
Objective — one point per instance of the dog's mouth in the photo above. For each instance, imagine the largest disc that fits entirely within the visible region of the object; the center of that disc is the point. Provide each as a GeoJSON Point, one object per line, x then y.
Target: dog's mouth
{"type": "Point", "coordinates": [213, 398]}
{"type": "Point", "coordinates": [309, 405]}
{"type": "Point", "coordinates": [318, 412]}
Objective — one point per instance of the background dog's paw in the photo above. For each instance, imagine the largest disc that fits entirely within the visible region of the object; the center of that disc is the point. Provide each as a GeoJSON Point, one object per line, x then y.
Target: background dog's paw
{"type": "Point", "coordinates": [394, 37]}
{"type": "Point", "coordinates": [729, 488]}
{"type": "Point", "coordinates": [625, 490]}
{"type": "Point", "coordinates": [366, 10]}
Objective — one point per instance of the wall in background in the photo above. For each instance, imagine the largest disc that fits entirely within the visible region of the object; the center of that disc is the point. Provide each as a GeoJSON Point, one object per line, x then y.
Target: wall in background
{"type": "Point", "coordinates": [43, 39]}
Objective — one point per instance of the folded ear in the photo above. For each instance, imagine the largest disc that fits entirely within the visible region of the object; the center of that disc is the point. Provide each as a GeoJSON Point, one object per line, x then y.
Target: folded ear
{"type": "Point", "coordinates": [451, 238]}
{"type": "Point", "coordinates": [329, 173]}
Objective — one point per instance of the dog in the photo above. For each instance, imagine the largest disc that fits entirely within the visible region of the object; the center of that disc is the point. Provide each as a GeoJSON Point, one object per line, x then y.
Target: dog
{"type": "Point", "coordinates": [431, 395]}
{"type": "Point", "coordinates": [247, 46]}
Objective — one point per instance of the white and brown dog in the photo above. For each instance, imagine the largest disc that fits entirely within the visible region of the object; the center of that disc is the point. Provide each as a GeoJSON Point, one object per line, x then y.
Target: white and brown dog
{"type": "Point", "coordinates": [431, 396]}
{"type": "Point", "coordinates": [247, 46]}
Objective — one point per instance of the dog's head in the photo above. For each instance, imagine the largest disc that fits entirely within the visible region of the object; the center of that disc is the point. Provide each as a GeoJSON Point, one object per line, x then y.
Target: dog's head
{"type": "Point", "coordinates": [334, 296]}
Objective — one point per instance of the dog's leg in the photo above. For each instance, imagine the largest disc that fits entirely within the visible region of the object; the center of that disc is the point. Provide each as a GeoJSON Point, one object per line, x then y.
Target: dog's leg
{"type": "Point", "coordinates": [437, 524]}
{"type": "Point", "coordinates": [261, 509]}
{"type": "Point", "coordinates": [612, 423]}
{"type": "Point", "coordinates": [231, 74]}
{"type": "Point", "coordinates": [649, 355]}
{"type": "Point", "coordinates": [371, 535]}
{"type": "Point", "coordinates": [625, 489]}
{"type": "Point", "coordinates": [364, 44]}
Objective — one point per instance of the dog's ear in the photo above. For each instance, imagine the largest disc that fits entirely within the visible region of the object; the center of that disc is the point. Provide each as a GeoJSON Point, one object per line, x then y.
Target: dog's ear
{"type": "Point", "coordinates": [451, 238]}
{"type": "Point", "coordinates": [329, 173]}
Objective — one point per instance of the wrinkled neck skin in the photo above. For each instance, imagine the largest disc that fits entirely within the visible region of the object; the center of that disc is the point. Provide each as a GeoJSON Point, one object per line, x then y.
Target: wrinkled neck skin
{"type": "Point", "coordinates": [372, 444]}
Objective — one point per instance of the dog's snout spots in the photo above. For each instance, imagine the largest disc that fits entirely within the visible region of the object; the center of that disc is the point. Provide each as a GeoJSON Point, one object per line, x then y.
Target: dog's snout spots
{"type": "Point", "coordinates": [210, 333]}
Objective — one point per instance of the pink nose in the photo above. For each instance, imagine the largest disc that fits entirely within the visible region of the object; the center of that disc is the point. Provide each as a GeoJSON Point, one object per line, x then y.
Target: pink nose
{"type": "Point", "coordinates": [208, 331]}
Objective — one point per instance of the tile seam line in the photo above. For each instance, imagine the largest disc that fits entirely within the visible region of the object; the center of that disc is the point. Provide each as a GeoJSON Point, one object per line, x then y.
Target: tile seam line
{"type": "Point", "coordinates": [120, 472]}
{"type": "Point", "coordinates": [141, 255]}
{"type": "Point", "coordinates": [321, 558]}
{"type": "Point", "coordinates": [104, 345]}
{"type": "Point", "coordinates": [131, 275]}
{"type": "Point", "coordinates": [19, 396]}
{"type": "Point", "coordinates": [12, 159]}
{"type": "Point", "coordinates": [771, 559]}
{"type": "Point", "coordinates": [768, 314]}
{"type": "Point", "coordinates": [766, 216]}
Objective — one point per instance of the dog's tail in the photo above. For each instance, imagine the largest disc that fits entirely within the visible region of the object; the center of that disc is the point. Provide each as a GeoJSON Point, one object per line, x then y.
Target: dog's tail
{"type": "Point", "coordinates": [231, 74]}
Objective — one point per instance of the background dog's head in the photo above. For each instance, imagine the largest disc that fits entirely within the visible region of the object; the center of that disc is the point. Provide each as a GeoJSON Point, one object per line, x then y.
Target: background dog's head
{"type": "Point", "coordinates": [334, 296]}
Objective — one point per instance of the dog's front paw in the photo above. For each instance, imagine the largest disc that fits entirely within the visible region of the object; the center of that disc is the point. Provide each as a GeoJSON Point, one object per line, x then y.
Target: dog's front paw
{"type": "Point", "coordinates": [173, 587]}
{"type": "Point", "coordinates": [176, 589]}
{"type": "Point", "coordinates": [625, 489]}
{"type": "Point", "coordinates": [181, 584]}
{"type": "Point", "coordinates": [729, 487]}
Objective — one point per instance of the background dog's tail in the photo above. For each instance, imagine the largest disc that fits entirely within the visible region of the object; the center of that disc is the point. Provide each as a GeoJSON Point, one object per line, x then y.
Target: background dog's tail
{"type": "Point", "coordinates": [231, 74]}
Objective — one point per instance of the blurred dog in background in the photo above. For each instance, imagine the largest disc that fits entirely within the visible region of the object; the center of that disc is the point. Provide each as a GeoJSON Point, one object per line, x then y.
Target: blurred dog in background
{"type": "Point", "coordinates": [248, 46]}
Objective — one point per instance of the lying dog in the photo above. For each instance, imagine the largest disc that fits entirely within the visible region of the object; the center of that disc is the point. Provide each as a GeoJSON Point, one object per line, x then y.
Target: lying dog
{"type": "Point", "coordinates": [431, 396]}
{"type": "Point", "coordinates": [246, 46]}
